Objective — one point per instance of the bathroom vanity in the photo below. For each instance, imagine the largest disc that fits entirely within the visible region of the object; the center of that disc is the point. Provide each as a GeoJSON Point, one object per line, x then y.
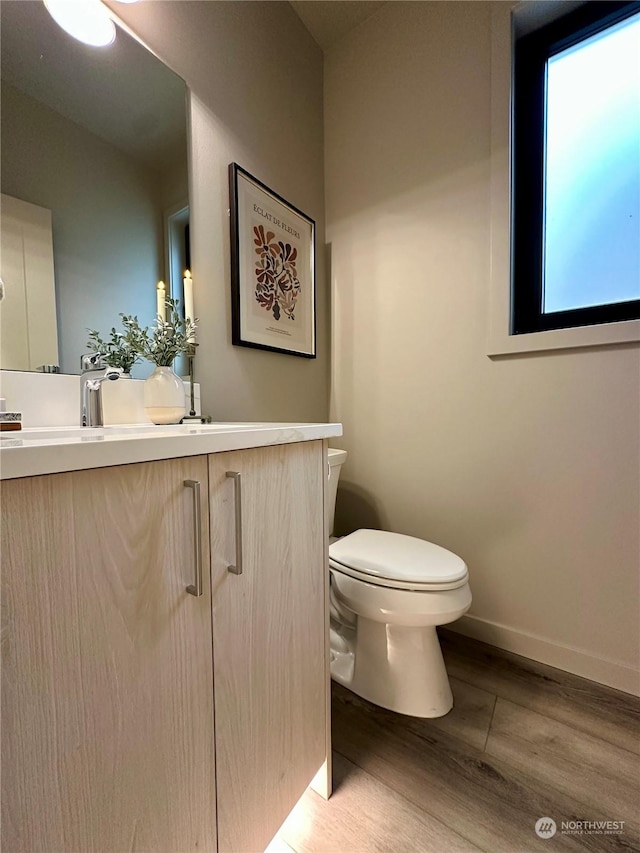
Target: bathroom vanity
{"type": "Point", "coordinates": [164, 635]}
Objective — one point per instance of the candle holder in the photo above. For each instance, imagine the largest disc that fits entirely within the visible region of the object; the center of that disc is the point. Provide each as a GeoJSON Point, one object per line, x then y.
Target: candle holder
{"type": "Point", "coordinates": [190, 353]}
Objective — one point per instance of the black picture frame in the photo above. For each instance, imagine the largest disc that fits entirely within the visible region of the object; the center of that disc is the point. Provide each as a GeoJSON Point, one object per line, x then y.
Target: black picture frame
{"type": "Point", "coordinates": [273, 288]}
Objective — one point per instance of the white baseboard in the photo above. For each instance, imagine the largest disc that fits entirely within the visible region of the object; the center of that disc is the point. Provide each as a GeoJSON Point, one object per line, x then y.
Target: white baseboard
{"type": "Point", "coordinates": [569, 659]}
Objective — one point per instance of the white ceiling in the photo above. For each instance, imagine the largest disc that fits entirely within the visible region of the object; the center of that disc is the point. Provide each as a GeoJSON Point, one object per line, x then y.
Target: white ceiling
{"type": "Point", "coordinates": [329, 20]}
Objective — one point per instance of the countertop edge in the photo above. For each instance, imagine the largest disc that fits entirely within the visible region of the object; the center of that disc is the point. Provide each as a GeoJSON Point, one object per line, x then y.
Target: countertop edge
{"type": "Point", "coordinates": [79, 454]}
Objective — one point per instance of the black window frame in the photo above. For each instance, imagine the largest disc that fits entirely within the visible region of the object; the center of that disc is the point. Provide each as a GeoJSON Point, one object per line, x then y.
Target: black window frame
{"type": "Point", "coordinates": [531, 53]}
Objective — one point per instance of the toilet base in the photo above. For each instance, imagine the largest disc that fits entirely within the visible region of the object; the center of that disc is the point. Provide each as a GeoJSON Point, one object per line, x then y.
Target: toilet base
{"type": "Point", "coordinates": [397, 667]}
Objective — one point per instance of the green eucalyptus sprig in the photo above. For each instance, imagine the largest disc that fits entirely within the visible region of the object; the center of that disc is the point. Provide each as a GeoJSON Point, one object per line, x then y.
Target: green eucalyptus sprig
{"type": "Point", "coordinates": [166, 340]}
{"type": "Point", "coordinates": [119, 351]}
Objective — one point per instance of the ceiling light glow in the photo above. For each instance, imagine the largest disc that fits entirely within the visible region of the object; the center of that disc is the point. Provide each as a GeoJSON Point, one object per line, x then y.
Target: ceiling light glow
{"type": "Point", "coordinates": [86, 20]}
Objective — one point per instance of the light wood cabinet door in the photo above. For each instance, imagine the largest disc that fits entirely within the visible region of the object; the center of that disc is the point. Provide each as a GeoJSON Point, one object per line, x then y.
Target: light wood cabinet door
{"type": "Point", "coordinates": [107, 694]}
{"type": "Point", "coordinates": [269, 637]}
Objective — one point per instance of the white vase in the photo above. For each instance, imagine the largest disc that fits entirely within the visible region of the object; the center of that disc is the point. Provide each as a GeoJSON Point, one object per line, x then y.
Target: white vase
{"type": "Point", "coordinates": [164, 401]}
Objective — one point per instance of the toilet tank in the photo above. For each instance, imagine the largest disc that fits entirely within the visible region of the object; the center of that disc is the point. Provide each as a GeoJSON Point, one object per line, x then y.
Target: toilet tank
{"type": "Point", "coordinates": [336, 461]}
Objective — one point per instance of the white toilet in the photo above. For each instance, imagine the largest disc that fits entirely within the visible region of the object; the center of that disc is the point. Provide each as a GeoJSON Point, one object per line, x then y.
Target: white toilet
{"type": "Point", "coordinates": [388, 593]}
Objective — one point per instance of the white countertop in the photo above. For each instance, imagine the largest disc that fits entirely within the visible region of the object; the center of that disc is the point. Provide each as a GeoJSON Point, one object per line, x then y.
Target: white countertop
{"type": "Point", "coordinates": [31, 452]}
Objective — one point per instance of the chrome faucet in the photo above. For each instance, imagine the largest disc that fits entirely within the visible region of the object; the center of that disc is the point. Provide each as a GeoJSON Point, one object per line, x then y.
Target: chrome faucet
{"type": "Point", "coordinates": [94, 373]}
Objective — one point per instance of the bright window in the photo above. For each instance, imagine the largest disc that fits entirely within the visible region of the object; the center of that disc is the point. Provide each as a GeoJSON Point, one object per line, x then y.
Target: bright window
{"type": "Point", "coordinates": [577, 171]}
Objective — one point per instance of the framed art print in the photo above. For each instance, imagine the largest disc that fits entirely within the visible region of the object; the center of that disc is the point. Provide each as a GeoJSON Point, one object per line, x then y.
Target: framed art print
{"type": "Point", "coordinates": [273, 304]}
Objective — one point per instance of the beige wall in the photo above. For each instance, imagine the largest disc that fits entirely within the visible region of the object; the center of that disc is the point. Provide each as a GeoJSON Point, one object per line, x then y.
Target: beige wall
{"type": "Point", "coordinates": [255, 75]}
{"type": "Point", "coordinates": [528, 467]}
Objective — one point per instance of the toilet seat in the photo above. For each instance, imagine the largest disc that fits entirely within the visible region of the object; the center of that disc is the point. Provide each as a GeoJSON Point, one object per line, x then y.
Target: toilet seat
{"type": "Point", "coordinates": [397, 561]}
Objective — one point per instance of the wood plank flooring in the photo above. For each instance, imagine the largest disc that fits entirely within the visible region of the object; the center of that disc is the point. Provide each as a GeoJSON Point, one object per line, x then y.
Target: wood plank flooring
{"type": "Point", "coordinates": [523, 741]}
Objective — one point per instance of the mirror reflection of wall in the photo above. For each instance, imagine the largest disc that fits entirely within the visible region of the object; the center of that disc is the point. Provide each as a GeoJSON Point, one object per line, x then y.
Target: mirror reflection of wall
{"type": "Point", "coordinates": [97, 136]}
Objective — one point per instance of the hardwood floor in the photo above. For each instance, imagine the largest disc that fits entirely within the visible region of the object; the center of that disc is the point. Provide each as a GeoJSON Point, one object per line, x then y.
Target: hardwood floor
{"type": "Point", "coordinates": [523, 741]}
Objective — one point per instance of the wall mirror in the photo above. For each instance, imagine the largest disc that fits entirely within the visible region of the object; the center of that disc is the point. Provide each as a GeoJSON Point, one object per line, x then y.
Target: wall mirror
{"type": "Point", "coordinates": [96, 140]}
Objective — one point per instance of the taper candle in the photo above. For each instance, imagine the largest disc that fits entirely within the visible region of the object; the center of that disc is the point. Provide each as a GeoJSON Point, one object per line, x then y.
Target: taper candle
{"type": "Point", "coordinates": [161, 293]}
{"type": "Point", "coordinates": [187, 284]}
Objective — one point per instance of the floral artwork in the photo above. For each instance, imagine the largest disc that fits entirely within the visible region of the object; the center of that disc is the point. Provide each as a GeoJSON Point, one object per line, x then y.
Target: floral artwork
{"type": "Point", "coordinates": [273, 285]}
{"type": "Point", "coordinates": [277, 282]}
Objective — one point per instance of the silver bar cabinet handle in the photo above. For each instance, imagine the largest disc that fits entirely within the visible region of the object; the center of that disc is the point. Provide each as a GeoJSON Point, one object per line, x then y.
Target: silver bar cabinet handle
{"type": "Point", "coordinates": [237, 480]}
{"type": "Point", "coordinates": [196, 589]}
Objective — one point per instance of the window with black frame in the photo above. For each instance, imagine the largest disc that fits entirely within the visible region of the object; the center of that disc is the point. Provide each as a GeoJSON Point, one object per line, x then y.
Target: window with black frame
{"type": "Point", "coordinates": [576, 170]}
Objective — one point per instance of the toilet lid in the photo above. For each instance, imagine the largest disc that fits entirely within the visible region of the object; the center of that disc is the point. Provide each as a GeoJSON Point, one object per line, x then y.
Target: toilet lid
{"type": "Point", "coordinates": [393, 556]}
